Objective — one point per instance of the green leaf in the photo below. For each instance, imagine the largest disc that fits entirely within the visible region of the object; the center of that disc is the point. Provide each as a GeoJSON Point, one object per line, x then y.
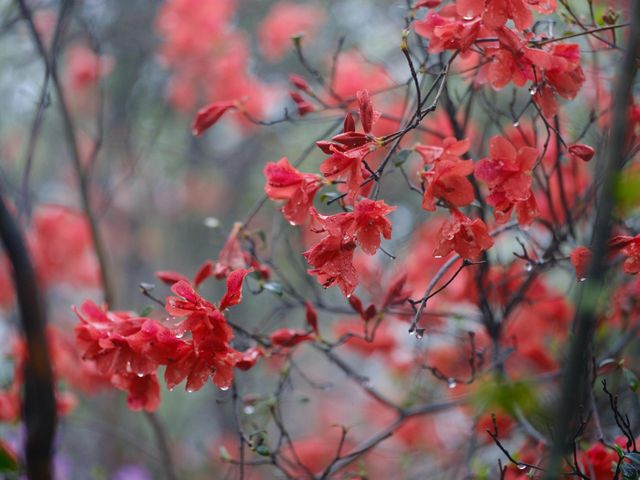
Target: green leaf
{"type": "Point", "coordinates": [8, 459]}
{"type": "Point", "coordinates": [224, 453]}
{"type": "Point", "coordinates": [328, 196]}
{"type": "Point", "coordinates": [505, 395]}
{"type": "Point", "coordinates": [631, 378]}
{"type": "Point", "coordinates": [627, 191]}
{"type": "Point", "coordinates": [263, 450]}
{"type": "Point", "coordinates": [401, 157]}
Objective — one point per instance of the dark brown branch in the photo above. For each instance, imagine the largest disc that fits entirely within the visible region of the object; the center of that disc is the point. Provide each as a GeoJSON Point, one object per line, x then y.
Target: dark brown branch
{"type": "Point", "coordinates": [38, 403]}
{"type": "Point", "coordinates": [575, 388]}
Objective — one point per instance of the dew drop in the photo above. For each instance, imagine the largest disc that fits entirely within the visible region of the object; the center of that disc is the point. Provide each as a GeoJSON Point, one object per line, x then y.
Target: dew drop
{"type": "Point", "coordinates": [419, 333]}
{"type": "Point", "coordinates": [582, 279]}
{"type": "Point", "coordinates": [179, 334]}
{"type": "Point", "coordinates": [516, 124]}
{"type": "Point", "coordinates": [528, 267]}
{"type": "Point", "coordinates": [293, 224]}
{"type": "Point", "coordinates": [451, 383]}
{"type": "Point", "coordinates": [224, 389]}
{"type": "Point", "coordinates": [139, 375]}
{"type": "Point", "coordinates": [249, 409]}
{"type": "Point", "coordinates": [190, 389]}
{"type": "Point", "coordinates": [521, 466]}
{"type": "Point", "coordinates": [533, 91]}
{"type": "Point", "coordinates": [437, 256]}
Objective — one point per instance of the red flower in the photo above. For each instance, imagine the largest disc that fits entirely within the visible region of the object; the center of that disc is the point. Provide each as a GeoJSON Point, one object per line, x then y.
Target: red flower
{"type": "Point", "coordinates": [601, 460]}
{"type": "Point", "coordinates": [312, 317]}
{"type": "Point", "coordinates": [631, 249]}
{"type": "Point", "coordinates": [85, 67]}
{"type": "Point", "coordinates": [231, 257]}
{"type": "Point", "coordinates": [580, 259]}
{"type": "Point", "coordinates": [447, 31]}
{"type": "Point", "coordinates": [285, 182]}
{"type": "Point", "coordinates": [284, 20]}
{"type": "Point", "coordinates": [207, 116]}
{"type": "Point", "coordinates": [451, 149]}
{"type": "Point", "coordinates": [513, 61]}
{"type": "Point", "coordinates": [508, 175]}
{"type": "Point", "coordinates": [495, 13]}
{"type": "Point", "coordinates": [581, 151]}
{"type": "Point", "coordinates": [143, 392]}
{"type": "Point", "coordinates": [248, 358]}
{"type": "Point", "coordinates": [332, 257]}
{"type": "Point", "coordinates": [565, 73]}
{"type": "Point", "coordinates": [468, 238]}
{"type": "Point", "coordinates": [107, 338]}
{"type": "Point", "coordinates": [233, 295]}
{"type": "Point", "coordinates": [368, 115]}
{"type": "Point", "coordinates": [448, 181]}
{"type": "Point", "coordinates": [302, 105]}
{"type": "Point", "coordinates": [370, 224]}
{"type": "Point", "coordinates": [289, 337]}
{"type": "Point", "coordinates": [563, 76]}
{"type": "Point", "coordinates": [299, 82]}
{"type": "Point", "coordinates": [349, 149]}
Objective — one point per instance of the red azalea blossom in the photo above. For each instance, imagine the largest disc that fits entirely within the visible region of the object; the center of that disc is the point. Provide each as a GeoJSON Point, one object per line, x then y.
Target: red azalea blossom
{"type": "Point", "coordinates": [209, 115]}
{"type": "Point", "coordinates": [368, 115]}
{"type": "Point", "coordinates": [448, 181]}
{"type": "Point", "coordinates": [332, 257]}
{"type": "Point", "coordinates": [580, 259]}
{"type": "Point", "coordinates": [447, 31]}
{"type": "Point", "coordinates": [299, 82]}
{"type": "Point", "coordinates": [468, 238]}
{"type": "Point", "coordinates": [630, 246]}
{"type": "Point", "coordinates": [508, 175]}
{"type": "Point", "coordinates": [495, 13]}
{"type": "Point", "coordinates": [247, 359]}
{"type": "Point", "coordinates": [285, 20]}
{"type": "Point", "coordinates": [581, 151]}
{"type": "Point", "coordinates": [513, 61]}
{"type": "Point", "coordinates": [231, 256]}
{"type": "Point", "coordinates": [370, 224]}
{"type": "Point", "coordinates": [285, 182]}
{"type": "Point", "coordinates": [288, 337]}
{"type": "Point", "coordinates": [302, 105]}
{"type": "Point", "coordinates": [451, 150]}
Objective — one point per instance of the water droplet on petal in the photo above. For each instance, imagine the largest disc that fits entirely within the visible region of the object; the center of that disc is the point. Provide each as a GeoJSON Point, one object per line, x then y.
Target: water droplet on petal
{"type": "Point", "coordinates": [521, 466]}
{"type": "Point", "coordinates": [516, 124]}
{"type": "Point", "coordinates": [528, 267]}
{"type": "Point", "coordinates": [179, 334]}
{"type": "Point", "coordinates": [249, 409]}
{"type": "Point", "coordinates": [139, 375]}
{"type": "Point", "coordinates": [582, 279]}
{"type": "Point", "coordinates": [419, 333]}
{"type": "Point", "coordinates": [190, 389]}
{"type": "Point", "coordinates": [437, 256]}
{"type": "Point", "coordinates": [224, 389]}
{"type": "Point", "coordinates": [451, 383]}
